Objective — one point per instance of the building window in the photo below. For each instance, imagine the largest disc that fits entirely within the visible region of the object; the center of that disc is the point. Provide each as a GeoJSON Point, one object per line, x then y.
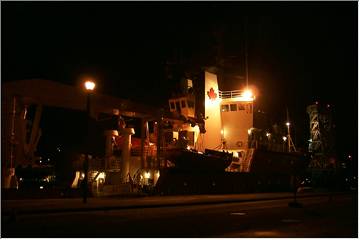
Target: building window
{"type": "Point", "coordinates": [241, 106]}
{"type": "Point", "coordinates": [183, 104]}
{"type": "Point", "coordinates": [225, 108]}
{"type": "Point", "coordinates": [233, 107]}
{"type": "Point", "coordinates": [172, 105]}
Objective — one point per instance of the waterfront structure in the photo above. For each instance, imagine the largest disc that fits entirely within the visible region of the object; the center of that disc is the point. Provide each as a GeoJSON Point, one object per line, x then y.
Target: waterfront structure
{"type": "Point", "coordinates": [321, 142]}
{"type": "Point", "coordinates": [122, 156]}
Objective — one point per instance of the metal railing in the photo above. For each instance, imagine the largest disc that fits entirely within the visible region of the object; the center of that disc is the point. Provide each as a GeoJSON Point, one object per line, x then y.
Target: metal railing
{"type": "Point", "coordinates": [230, 94]}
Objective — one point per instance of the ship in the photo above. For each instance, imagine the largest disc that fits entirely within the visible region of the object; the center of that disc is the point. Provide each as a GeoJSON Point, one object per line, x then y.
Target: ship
{"type": "Point", "coordinates": [229, 155]}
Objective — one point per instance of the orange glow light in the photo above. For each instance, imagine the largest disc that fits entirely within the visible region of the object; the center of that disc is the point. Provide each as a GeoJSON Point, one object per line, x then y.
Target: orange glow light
{"type": "Point", "coordinates": [89, 85]}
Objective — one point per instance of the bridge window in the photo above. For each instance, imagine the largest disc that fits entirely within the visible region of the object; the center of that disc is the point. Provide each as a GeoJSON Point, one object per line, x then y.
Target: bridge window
{"type": "Point", "coordinates": [183, 104]}
{"type": "Point", "coordinates": [225, 108]}
{"type": "Point", "coordinates": [178, 106]}
{"type": "Point", "coordinates": [233, 107]}
{"type": "Point", "coordinates": [249, 108]}
{"type": "Point", "coordinates": [172, 105]}
{"type": "Point", "coordinates": [241, 106]}
{"type": "Point", "coordinates": [190, 104]}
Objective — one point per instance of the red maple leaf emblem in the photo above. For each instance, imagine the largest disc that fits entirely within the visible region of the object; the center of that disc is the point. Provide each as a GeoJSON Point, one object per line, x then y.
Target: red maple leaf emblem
{"type": "Point", "coordinates": [212, 95]}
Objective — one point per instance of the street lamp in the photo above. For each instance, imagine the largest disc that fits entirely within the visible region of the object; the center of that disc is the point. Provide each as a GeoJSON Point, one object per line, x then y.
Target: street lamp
{"type": "Point", "coordinates": [284, 139]}
{"type": "Point", "coordinates": [89, 88]}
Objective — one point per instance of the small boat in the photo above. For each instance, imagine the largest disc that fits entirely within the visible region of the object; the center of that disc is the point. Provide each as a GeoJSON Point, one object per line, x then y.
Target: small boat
{"type": "Point", "coordinates": [193, 161]}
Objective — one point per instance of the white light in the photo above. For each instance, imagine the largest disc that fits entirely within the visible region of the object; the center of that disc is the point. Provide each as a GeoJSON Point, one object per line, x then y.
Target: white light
{"type": "Point", "coordinates": [89, 85]}
{"type": "Point", "coordinates": [147, 175]}
{"type": "Point", "coordinates": [268, 134]}
{"type": "Point", "coordinates": [247, 94]}
{"type": "Point", "coordinates": [82, 175]}
{"type": "Point", "coordinates": [188, 148]}
{"type": "Point", "coordinates": [101, 176]}
{"type": "Point", "coordinates": [41, 187]}
{"type": "Point", "coordinates": [287, 124]}
{"type": "Point", "coordinates": [284, 138]}
{"type": "Point", "coordinates": [40, 161]}
{"type": "Point", "coordinates": [176, 135]}
{"type": "Point", "coordinates": [249, 131]}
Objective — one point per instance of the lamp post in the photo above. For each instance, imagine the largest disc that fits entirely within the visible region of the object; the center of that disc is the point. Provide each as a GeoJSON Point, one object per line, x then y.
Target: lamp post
{"type": "Point", "coordinates": [288, 135]}
{"type": "Point", "coordinates": [284, 139]}
{"type": "Point", "coordinates": [89, 87]}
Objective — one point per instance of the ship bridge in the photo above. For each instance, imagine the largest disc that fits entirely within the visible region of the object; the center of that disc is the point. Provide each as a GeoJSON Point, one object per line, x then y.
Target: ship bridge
{"type": "Point", "coordinates": [236, 109]}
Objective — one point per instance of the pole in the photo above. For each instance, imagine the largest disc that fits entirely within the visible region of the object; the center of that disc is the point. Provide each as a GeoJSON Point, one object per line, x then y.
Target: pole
{"type": "Point", "coordinates": [246, 56]}
{"type": "Point", "coordinates": [288, 137]}
{"type": "Point", "coordinates": [142, 152]}
{"type": "Point", "coordinates": [12, 139]}
{"type": "Point", "coordinates": [86, 161]}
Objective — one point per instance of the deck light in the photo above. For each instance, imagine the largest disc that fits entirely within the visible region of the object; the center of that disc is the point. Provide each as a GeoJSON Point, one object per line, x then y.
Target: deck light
{"type": "Point", "coordinates": [247, 94]}
{"type": "Point", "coordinates": [147, 175]}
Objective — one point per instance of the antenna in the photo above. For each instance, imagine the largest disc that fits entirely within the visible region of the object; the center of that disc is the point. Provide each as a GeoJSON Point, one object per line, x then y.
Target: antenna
{"type": "Point", "coordinates": [246, 56]}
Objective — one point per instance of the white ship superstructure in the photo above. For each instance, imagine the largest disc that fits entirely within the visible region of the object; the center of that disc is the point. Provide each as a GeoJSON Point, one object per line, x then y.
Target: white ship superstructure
{"type": "Point", "coordinates": [229, 116]}
{"type": "Point", "coordinates": [236, 109]}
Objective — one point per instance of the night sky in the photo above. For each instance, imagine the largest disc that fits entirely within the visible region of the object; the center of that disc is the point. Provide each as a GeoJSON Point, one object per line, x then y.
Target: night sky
{"type": "Point", "coordinates": [298, 53]}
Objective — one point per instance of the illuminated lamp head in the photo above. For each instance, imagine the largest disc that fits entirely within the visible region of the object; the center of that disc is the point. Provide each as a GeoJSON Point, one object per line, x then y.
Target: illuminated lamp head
{"type": "Point", "coordinates": [89, 85]}
{"type": "Point", "coordinates": [247, 93]}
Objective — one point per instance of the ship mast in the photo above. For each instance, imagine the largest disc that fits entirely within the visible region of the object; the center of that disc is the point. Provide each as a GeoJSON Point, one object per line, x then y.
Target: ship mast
{"type": "Point", "coordinates": [246, 56]}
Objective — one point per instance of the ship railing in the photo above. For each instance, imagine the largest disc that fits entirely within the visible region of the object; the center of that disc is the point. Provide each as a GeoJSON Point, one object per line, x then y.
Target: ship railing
{"type": "Point", "coordinates": [231, 94]}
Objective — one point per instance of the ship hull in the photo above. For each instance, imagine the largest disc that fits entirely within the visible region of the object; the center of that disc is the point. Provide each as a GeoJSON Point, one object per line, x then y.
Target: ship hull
{"type": "Point", "coordinates": [269, 172]}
